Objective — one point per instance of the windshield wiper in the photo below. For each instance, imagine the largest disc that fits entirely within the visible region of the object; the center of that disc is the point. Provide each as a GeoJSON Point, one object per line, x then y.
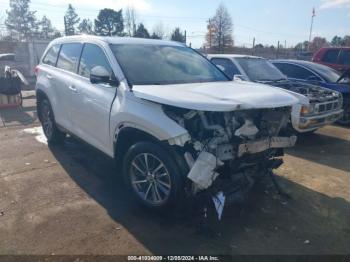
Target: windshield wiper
{"type": "Point", "coordinates": [271, 80]}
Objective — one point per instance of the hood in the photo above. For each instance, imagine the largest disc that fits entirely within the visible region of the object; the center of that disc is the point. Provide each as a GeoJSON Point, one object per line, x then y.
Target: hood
{"type": "Point", "coordinates": [313, 92]}
{"type": "Point", "coordinates": [340, 87]}
{"type": "Point", "coordinates": [216, 96]}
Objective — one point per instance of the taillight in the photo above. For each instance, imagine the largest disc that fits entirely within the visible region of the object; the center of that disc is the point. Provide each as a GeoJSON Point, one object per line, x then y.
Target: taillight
{"type": "Point", "coordinates": [36, 70]}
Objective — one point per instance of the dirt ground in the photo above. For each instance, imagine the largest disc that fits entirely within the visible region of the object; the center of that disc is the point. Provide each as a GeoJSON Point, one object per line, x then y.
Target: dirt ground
{"type": "Point", "coordinates": [70, 200]}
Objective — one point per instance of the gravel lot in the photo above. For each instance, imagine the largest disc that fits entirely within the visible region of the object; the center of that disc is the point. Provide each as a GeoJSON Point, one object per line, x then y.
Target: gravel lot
{"type": "Point", "coordinates": [70, 200]}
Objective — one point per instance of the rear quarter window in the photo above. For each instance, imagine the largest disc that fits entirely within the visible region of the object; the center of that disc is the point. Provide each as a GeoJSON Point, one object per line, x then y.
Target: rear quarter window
{"type": "Point", "coordinates": [51, 55]}
{"type": "Point", "coordinates": [331, 56]}
{"type": "Point", "coordinates": [69, 56]}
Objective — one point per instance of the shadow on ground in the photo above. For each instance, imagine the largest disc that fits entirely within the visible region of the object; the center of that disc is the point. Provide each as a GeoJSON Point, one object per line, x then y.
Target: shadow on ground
{"type": "Point", "coordinates": [323, 149]}
{"type": "Point", "coordinates": [311, 223]}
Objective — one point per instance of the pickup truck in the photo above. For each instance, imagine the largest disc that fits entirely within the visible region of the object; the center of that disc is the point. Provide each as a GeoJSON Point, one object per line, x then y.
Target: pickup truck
{"type": "Point", "coordinates": [318, 106]}
{"type": "Point", "coordinates": [174, 123]}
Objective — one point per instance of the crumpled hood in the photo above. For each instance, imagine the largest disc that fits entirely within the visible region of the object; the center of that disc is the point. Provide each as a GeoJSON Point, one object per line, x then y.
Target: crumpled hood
{"type": "Point", "coordinates": [313, 92]}
{"type": "Point", "coordinates": [216, 96]}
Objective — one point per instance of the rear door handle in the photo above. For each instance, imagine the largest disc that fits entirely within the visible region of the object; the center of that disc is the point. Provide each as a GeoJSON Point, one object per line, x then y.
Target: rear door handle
{"type": "Point", "coordinates": [49, 76]}
{"type": "Point", "coordinates": [73, 89]}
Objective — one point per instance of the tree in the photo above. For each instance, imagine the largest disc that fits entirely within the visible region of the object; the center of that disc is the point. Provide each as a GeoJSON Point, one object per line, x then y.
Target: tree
{"type": "Point", "coordinates": [220, 29]}
{"type": "Point", "coordinates": [130, 21]}
{"type": "Point", "coordinates": [317, 43]}
{"type": "Point", "coordinates": [46, 29]}
{"type": "Point", "coordinates": [336, 41]}
{"type": "Point", "coordinates": [141, 31]}
{"type": "Point", "coordinates": [85, 27]}
{"type": "Point", "coordinates": [71, 19]}
{"type": "Point", "coordinates": [158, 31]}
{"type": "Point", "coordinates": [20, 19]}
{"type": "Point", "coordinates": [109, 23]}
{"type": "Point", "coordinates": [345, 41]}
{"type": "Point", "coordinates": [178, 36]}
{"type": "Point", "coordinates": [155, 36]}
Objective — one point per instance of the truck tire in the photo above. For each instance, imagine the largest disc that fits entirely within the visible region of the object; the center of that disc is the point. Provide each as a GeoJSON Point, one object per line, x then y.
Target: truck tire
{"type": "Point", "coordinates": [51, 131]}
{"type": "Point", "coordinates": [152, 176]}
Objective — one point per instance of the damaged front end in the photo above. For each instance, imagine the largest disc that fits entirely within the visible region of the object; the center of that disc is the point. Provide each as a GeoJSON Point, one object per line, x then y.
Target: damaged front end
{"type": "Point", "coordinates": [229, 151]}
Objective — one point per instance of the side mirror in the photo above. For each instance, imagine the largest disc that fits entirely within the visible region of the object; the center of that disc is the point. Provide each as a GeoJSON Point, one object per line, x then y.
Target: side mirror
{"type": "Point", "coordinates": [239, 78]}
{"type": "Point", "coordinates": [100, 75]}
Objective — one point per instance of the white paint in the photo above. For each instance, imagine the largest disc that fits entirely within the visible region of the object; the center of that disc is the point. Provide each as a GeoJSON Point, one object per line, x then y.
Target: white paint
{"type": "Point", "coordinates": [38, 132]}
{"type": "Point", "coordinates": [216, 96]}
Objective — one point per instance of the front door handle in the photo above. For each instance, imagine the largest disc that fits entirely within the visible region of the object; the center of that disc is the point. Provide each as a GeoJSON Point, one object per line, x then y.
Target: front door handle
{"type": "Point", "coordinates": [49, 76]}
{"type": "Point", "coordinates": [73, 89]}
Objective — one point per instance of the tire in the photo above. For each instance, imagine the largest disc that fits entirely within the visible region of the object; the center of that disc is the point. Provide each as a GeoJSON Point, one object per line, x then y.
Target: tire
{"type": "Point", "coordinates": [51, 131]}
{"type": "Point", "coordinates": [158, 184]}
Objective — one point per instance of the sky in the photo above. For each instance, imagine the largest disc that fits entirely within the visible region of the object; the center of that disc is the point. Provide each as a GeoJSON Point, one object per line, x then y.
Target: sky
{"type": "Point", "coordinates": [268, 21]}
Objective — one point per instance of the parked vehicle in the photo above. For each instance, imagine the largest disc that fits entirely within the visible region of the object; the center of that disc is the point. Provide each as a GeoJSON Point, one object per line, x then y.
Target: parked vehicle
{"type": "Point", "coordinates": [337, 58]}
{"type": "Point", "coordinates": [172, 120]}
{"type": "Point", "coordinates": [320, 107]}
{"type": "Point", "coordinates": [320, 75]}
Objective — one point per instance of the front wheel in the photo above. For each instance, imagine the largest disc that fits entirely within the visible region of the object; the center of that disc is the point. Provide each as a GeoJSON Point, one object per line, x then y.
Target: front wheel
{"type": "Point", "coordinates": [152, 175]}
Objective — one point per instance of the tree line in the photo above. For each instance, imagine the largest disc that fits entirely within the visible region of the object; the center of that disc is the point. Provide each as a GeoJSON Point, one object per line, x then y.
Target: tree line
{"type": "Point", "coordinates": [23, 24]}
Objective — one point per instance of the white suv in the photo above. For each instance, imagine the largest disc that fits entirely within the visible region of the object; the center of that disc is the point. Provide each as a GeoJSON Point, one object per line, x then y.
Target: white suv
{"type": "Point", "coordinates": [175, 124]}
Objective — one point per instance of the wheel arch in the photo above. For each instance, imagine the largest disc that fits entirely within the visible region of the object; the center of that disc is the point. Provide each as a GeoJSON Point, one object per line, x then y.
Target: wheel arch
{"type": "Point", "coordinates": [128, 136]}
{"type": "Point", "coordinates": [40, 96]}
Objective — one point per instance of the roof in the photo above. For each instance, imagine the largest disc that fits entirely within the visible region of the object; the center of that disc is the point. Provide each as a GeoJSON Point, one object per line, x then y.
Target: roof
{"type": "Point", "coordinates": [116, 40]}
{"type": "Point", "coordinates": [300, 62]}
{"type": "Point", "coordinates": [234, 56]}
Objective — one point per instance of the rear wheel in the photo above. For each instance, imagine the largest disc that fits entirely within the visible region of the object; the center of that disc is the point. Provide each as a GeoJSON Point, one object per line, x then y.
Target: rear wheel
{"type": "Point", "coordinates": [152, 175]}
{"type": "Point", "coordinates": [52, 133]}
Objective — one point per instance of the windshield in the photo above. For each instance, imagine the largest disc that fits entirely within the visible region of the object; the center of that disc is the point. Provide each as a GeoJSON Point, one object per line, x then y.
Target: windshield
{"type": "Point", "coordinates": [163, 64]}
{"type": "Point", "coordinates": [329, 74]}
{"type": "Point", "coordinates": [259, 69]}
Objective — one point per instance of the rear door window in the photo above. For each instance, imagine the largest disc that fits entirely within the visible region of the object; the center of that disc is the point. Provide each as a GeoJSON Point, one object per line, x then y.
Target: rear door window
{"type": "Point", "coordinates": [331, 56]}
{"type": "Point", "coordinates": [69, 56]}
{"type": "Point", "coordinates": [294, 71]}
{"type": "Point", "coordinates": [345, 57]}
{"type": "Point", "coordinates": [230, 68]}
{"type": "Point", "coordinates": [92, 56]}
{"type": "Point", "coordinates": [51, 55]}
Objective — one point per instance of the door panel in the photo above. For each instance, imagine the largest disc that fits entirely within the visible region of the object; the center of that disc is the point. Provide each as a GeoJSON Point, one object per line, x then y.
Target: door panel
{"type": "Point", "coordinates": [67, 65]}
{"type": "Point", "coordinates": [92, 104]}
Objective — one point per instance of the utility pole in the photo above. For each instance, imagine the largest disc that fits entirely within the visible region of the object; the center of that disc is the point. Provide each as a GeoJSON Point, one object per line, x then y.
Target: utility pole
{"type": "Point", "coordinates": [312, 23]}
{"type": "Point", "coordinates": [253, 51]}
{"type": "Point", "coordinates": [65, 25]}
{"type": "Point", "coordinates": [185, 37]}
{"type": "Point", "coordinates": [278, 49]}
{"type": "Point", "coordinates": [209, 28]}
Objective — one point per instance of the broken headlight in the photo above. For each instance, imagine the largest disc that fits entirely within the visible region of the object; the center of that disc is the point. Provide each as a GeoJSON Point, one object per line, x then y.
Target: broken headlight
{"type": "Point", "coordinates": [307, 110]}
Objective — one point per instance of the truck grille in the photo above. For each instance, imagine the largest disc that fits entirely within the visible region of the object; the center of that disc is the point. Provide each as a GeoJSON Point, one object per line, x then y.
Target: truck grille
{"type": "Point", "coordinates": [327, 106]}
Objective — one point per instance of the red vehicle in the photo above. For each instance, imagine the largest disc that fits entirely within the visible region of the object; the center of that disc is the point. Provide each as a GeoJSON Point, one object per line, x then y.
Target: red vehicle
{"type": "Point", "coordinates": [336, 57]}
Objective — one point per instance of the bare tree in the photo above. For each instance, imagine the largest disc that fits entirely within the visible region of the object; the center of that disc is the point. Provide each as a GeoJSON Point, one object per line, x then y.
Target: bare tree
{"type": "Point", "coordinates": [130, 21]}
{"type": "Point", "coordinates": [220, 30]}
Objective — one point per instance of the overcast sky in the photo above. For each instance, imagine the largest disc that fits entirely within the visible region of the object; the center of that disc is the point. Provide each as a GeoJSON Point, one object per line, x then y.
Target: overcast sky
{"type": "Point", "coordinates": [268, 21]}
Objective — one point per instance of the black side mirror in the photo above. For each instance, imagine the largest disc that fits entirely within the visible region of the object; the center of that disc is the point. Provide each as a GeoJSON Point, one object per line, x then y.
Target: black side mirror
{"type": "Point", "coordinates": [100, 75]}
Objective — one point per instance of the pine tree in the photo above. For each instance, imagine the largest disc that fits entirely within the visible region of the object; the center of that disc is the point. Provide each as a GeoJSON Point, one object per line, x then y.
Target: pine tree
{"type": "Point", "coordinates": [46, 29]}
{"type": "Point", "coordinates": [141, 31]}
{"type": "Point", "coordinates": [109, 23]}
{"type": "Point", "coordinates": [71, 19]}
{"type": "Point", "coordinates": [85, 27]}
{"type": "Point", "coordinates": [178, 36]}
{"type": "Point", "coordinates": [20, 19]}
